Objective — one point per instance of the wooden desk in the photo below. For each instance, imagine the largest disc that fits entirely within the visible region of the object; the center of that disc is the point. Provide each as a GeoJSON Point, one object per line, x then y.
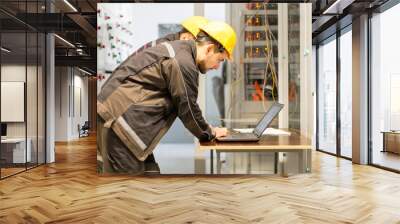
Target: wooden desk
{"type": "Point", "coordinates": [13, 151]}
{"type": "Point", "coordinates": [391, 141]}
{"type": "Point", "coordinates": [280, 144]}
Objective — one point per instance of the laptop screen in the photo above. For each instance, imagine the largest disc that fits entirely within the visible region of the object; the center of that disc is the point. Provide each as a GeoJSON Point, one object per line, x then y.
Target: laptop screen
{"type": "Point", "coordinates": [3, 129]}
{"type": "Point", "coordinates": [267, 118]}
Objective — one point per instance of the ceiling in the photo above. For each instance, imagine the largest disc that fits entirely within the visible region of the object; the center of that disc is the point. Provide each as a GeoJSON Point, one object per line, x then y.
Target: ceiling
{"type": "Point", "coordinates": [76, 23]}
{"type": "Point", "coordinates": [332, 15]}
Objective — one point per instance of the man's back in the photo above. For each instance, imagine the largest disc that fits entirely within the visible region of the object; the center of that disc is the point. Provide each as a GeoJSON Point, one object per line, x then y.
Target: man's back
{"type": "Point", "coordinates": [151, 59]}
{"type": "Point", "coordinates": [149, 90]}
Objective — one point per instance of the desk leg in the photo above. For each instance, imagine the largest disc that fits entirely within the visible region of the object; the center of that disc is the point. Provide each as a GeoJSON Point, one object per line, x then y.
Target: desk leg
{"type": "Point", "coordinates": [276, 161]}
{"type": "Point", "coordinates": [282, 161]}
{"type": "Point", "coordinates": [233, 156]}
{"type": "Point", "coordinates": [218, 162]}
{"type": "Point", "coordinates": [248, 162]}
{"type": "Point", "coordinates": [212, 161]}
{"type": "Point", "coordinates": [302, 154]}
{"type": "Point", "coordinates": [305, 161]}
{"type": "Point", "coordinates": [384, 143]}
{"type": "Point", "coordinates": [309, 160]}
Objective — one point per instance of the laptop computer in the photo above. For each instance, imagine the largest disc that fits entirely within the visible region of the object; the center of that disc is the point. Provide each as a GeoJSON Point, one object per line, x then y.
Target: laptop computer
{"type": "Point", "coordinates": [3, 131]}
{"type": "Point", "coordinates": [255, 136]}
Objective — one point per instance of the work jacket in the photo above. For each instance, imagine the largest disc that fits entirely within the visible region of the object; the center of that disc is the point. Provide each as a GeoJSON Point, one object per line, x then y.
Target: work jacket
{"type": "Point", "coordinates": [146, 93]}
{"type": "Point", "coordinates": [169, 37]}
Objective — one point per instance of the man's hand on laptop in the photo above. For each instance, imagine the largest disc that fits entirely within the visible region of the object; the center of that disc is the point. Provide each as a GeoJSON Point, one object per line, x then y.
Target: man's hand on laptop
{"type": "Point", "coordinates": [219, 132]}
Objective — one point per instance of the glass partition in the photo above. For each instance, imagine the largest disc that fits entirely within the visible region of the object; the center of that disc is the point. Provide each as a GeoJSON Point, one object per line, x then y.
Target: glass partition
{"type": "Point", "coordinates": [22, 88]}
{"type": "Point", "coordinates": [14, 153]}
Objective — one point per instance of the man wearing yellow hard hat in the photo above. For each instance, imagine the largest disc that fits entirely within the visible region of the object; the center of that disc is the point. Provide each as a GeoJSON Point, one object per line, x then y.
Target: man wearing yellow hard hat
{"type": "Point", "coordinates": [147, 92]}
{"type": "Point", "coordinates": [190, 29]}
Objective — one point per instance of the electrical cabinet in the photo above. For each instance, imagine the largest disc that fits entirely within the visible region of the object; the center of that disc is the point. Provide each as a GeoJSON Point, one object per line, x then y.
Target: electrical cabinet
{"type": "Point", "coordinates": [267, 65]}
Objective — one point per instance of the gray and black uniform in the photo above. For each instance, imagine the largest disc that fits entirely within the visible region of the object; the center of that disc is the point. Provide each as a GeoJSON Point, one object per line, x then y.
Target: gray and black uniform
{"type": "Point", "coordinates": [141, 100]}
{"type": "Point", "coordinates": [169, 37]}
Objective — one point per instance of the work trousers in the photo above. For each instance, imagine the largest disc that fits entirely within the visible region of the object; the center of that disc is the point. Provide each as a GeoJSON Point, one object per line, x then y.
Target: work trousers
{"type": "Point", "coordinates": [113, 155]}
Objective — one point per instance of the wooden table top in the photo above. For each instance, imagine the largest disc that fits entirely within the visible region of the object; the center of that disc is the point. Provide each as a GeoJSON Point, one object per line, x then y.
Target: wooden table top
{"type": "Point", "coordinates": [295, 141]}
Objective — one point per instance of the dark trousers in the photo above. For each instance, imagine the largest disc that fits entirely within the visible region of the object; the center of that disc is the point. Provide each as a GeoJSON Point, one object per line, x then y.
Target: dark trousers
{"type": "Point", "coordinates": [115, 156]}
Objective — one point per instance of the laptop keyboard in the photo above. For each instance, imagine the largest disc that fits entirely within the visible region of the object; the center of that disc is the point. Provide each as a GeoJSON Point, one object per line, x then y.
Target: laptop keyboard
{"type": "Point", "coordinates": [242, 135]}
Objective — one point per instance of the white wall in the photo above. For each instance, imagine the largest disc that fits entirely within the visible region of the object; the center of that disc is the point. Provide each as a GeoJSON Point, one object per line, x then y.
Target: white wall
{"type": "Point", "coordinates": [33, 126]}
{"type": "Point", "coordinates": [14, 73]}
{"type": "Point", "coordinates": [79, 117]}
{"type": "Point", "coordinates": [61, 103]}
{"type": "Point", "coordinates": [85, 98]}
{"type": "Point", "coordinates": [146, 18]}
{"type": "Point", "coordinates": [67, 114]}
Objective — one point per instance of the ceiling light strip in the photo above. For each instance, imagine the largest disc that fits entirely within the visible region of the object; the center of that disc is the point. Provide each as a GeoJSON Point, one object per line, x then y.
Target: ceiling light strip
{"type": "Point", "coordinates": [86, 72]}
{"type": "Point", "coordinates": [70, 5]}
{"type": "Point", "coordinates": [64, 40]}
{"type": "Point", "coordinates": [5, 50]}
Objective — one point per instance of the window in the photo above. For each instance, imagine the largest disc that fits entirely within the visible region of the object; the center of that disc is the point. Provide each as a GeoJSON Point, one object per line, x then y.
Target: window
{"type": "Point", "coordinates": [385, 89]}
{"type": "Point", "coordinates": [346, 93]}
{"type": "Point", "coordinates": [327, 96]}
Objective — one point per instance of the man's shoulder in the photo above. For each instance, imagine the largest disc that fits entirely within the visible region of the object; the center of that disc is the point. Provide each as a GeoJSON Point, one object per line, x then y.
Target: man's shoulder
{"type": "Point", "coordinates": [186, 44]}
{"type": "Point", "coordinates": [185, 51]}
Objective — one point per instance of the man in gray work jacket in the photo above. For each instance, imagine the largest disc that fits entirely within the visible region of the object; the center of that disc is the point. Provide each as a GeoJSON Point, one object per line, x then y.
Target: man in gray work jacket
{"type": "Point", "coordinates": [144, 95]}
{"type": "Point", "coordinates": [190, 29]}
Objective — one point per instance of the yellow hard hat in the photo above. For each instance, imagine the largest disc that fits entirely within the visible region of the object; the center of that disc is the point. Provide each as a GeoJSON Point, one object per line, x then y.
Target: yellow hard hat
{"type": "Point", "coordinates": [223, 33]}
{"type": "Point", "coordinates": [194, 23]}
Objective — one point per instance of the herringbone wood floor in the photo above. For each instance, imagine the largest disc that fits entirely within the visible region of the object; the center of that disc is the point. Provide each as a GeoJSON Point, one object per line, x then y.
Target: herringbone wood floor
{"type": "Point", "coordinates": [70, 191]}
